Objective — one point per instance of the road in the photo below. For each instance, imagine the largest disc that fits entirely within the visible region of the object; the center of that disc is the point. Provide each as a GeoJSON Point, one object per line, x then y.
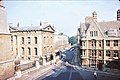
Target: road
{"type": "Point", "coordinates": [68, 71]}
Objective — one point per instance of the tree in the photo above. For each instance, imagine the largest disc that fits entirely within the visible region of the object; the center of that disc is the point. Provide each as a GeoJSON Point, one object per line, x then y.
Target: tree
{"type": "Point", "coordinates": [73, 40]}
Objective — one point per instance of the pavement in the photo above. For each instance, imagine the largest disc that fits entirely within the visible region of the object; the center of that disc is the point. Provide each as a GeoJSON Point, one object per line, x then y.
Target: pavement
{"type": "Point", "coordinates": [34, 73]}
{"type": "Point", "coordinates": [74, 73]}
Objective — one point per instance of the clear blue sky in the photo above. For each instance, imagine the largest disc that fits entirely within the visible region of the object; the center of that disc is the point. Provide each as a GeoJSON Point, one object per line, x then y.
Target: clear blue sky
{"type": "Point", "coordinates": [64, 15]}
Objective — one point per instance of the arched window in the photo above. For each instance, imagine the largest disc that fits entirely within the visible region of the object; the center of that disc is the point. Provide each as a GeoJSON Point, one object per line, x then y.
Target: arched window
{"type": "Point", "coordinates": [35, 40]}
{"type": "Point", "coordinates": [22, 50]}
{"type": "Point", "coordinates": [22, 40]}
{"type": "Point", "coordinates": [29, 51]}
{"type": "Point", "coordinates": [36, 51]}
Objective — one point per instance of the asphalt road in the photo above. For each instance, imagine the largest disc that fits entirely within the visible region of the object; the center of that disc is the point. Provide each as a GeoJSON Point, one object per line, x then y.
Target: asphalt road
{"type": "Point", "coordinates": [68, 72]}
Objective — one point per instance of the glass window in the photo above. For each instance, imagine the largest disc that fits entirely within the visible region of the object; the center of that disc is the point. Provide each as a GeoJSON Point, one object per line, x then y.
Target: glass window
{"type": "Point", "coordinates": [83, 43]}
{"type": "Point", "coordinates": [28, 40]}
{"type": "Point", "coordinates": [100, 53]}
{"type": "Point", "coordinates": [11, 39]}
{"type": "Point", "coordinates": [36, 51]}
{"type": "Point", "coordinates": [22, 50]}
{"type": "Point", "coordinates": [35, 40]}
{"type": "Point", "coordinates": [22, 40]}
{"type": "Point", "coordinates": [96, 33]}
{"type": "Point", "coordinates": [91, 33]}
{"type": "Point", "coordinates": [108, 53]}
{"type": "Point", "coordinates": [83, 54]}
{"type": "Point", "coordinates": [115, 42]}
{"type": "Point", "coordinates": [99, 43]}
{"type": "Point", "coordinates": [93, 53]}
{"type": "Point", "coordinates": [107, 42]}
{"type": "Point", "coordinates": [115, 54]}
{"type": "Point", "coordinates": [29, 51]}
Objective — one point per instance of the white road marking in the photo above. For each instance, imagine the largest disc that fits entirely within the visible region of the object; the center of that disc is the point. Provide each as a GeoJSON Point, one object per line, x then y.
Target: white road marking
{"type": "Point", "coordinates": [70, 75]}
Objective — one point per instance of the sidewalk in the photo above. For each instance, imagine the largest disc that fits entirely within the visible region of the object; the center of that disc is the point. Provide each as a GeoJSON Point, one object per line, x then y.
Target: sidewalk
{"type": "Point", "coordinates": [33, 73]}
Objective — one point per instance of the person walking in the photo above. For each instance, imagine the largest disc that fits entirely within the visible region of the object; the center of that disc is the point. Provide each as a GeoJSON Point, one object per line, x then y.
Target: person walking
{"type": "Point", "coordinates": [95, 75]}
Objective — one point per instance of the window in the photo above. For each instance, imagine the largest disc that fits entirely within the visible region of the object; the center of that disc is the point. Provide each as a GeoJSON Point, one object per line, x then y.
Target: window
{"type": "Point", "coordinates": [115, 54]}
{"type": "Point", "coordinates": [108, 53]}
{"type": "Point", "coordinates": [28, 40]}
{"type": "Point", "coordinates": [22, 40]}
{"type": "Point", "coordinates": [83, 54]}
{"type": "Point", "coordinates": [99, 43]}
{"type": "Point", "coordinates": [35, 40]}
{"type": "Point", "coordinates": [107, 42]}
{"type": "Point", "coordinates": [11, 39]}
{"type": "Point", "coordinates": [93, 43]}
{"type": "Point", "coordinates": [83, 43]}
{"type": "Point", "coordinates": [16, 39]}
{"type": "Point", "coordinates": [22, 50]}
{"type": "Point", "coordinates": [115, 42]}
{"type": "Point", "coordinates": [29, 51]}
{"type": "Point", "coordinates": [36, 51]}
{"type": "Point", "coordinates": [100, 53]}
{"type": "Point", "coordinates": [91, 33]}
{"type": "Point", "coordinates": [96, 33]}
{"type": "Point", "coordinates": [93, 53]}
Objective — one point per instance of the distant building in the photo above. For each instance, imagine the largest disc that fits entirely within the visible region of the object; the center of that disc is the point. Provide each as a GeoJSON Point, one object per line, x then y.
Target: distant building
{"type": "Point", "coordinates": [99, 41]}
{"type": "Point", "coordinates": [6, 53]}
{"type": "Point", "coordinates": [61, 42]}
{"type": "Point", "coordinates": [31, 42]}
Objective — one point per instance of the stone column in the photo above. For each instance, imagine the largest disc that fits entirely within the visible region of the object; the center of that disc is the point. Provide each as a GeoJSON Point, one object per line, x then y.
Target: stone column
{"type": "Point", "coordinates": [37, 64]}
{"type": "Point", "coordinates": [17, 69]}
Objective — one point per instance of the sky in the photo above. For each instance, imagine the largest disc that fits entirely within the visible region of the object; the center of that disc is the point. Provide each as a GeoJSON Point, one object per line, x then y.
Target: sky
{"type": "Point", "coordinates": [64, 15]}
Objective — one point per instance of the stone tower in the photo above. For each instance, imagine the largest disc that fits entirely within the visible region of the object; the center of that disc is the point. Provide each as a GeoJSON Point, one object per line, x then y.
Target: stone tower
{"type": "Point", "coordinates": [3, 19]}
{"type": "Point", "coordinates": [118, 15]}
{"type": "Point", "coordinates": [94, 15]}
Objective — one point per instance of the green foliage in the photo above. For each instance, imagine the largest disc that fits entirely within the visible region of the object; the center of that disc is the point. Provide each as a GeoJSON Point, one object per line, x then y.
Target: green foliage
{"type": "Point", "coordinates": [73, 40]}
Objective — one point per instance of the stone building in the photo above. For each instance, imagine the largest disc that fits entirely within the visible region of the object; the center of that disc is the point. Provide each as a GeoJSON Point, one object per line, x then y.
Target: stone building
{"type": "Point", "coordinates": [6, 53]}
{"type": "Point", "coordinates": [61, 42]}
{"type": "Point", "coordinates": [99, 41]}
{"type": "Point", "coordinates": [31, 42]}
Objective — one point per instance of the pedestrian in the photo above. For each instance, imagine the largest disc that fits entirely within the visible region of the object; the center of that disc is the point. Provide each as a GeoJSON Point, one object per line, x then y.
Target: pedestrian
{"type": "Point", "coordinates": [95, 75]}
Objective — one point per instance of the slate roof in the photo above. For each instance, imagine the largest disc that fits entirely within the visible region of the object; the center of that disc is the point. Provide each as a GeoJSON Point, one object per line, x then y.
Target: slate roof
{"type": "Point", "coordinates": [31, 28]}
{"type": "Point", "coordinates": [104, 26]}
{"type": "Point", "coordinates": [109, 25]}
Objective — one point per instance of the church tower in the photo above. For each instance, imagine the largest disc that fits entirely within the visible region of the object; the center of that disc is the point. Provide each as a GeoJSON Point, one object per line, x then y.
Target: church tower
{"type": "Point", "coordinates": [3, 19]}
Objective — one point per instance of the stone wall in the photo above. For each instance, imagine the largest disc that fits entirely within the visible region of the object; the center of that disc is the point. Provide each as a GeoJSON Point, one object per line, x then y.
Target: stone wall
{"type": "Point", "coordinates": [6, 69]}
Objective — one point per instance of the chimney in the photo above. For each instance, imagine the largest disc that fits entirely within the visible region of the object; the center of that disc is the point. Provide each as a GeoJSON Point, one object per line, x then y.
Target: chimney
{"type": "Point", "coordinates": [94, 15]}
{"type": "Point", "coordinates": [118, 15]}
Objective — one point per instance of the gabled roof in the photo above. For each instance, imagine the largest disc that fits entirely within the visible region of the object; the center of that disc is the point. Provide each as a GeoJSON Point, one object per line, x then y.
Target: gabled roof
{"type": "Point", "coordinates": [109, 24]}
{"type": "Point", "coordinates": [102, 26]}
{"type": "Point", "coordinates": [50, 27]}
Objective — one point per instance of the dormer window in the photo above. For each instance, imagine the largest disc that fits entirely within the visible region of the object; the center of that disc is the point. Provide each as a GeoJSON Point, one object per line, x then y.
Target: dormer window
{"type": "Point", "coordinates": [112, 32]}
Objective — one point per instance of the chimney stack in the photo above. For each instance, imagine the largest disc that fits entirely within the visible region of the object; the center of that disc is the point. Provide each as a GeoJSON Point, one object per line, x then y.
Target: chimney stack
{"type": "Point", "coordinates": [94, 15]}
{"type": "Point", "coordinates": [118, 15]}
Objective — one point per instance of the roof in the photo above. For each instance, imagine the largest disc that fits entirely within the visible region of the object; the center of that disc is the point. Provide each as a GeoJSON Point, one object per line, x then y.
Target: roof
{"type": "Point", "coordinates": [32, 28]}
{"type": "Point", "coordinates": [104, 26]}
{"type": "Point", "coordinates": [109, 25]}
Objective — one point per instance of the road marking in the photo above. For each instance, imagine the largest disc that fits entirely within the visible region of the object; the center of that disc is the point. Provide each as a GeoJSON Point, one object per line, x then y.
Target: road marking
{"type": "Point", "coordinates": [70, 75]}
